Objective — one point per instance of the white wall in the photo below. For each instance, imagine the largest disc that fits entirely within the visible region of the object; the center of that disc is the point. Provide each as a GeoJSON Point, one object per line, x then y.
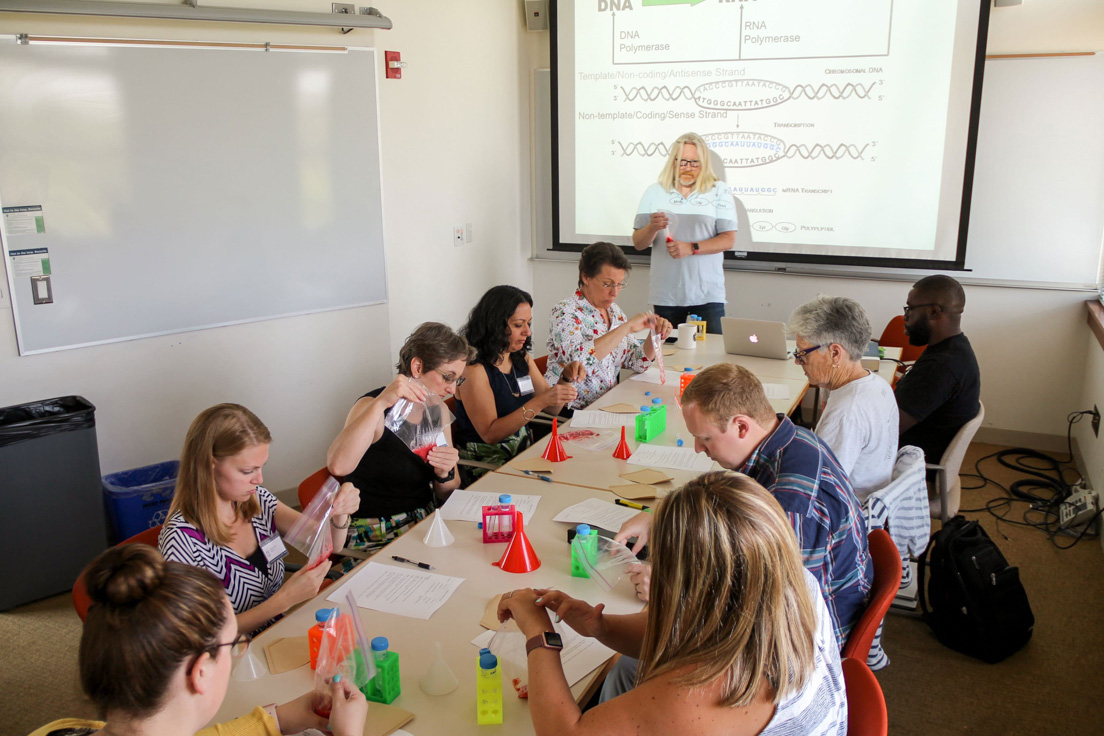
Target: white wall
{"type": "Point", "coordinates": [455, 149]}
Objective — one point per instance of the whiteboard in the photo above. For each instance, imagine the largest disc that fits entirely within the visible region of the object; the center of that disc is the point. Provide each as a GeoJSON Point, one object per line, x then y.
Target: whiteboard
{"type": "Point", "coordinates": [1037, 212]}
{"type": "Point", "coordinates": [184, 188]}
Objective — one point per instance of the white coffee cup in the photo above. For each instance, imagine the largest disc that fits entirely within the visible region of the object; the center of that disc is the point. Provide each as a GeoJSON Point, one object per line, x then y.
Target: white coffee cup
{"type": "Point", "coordinates": [686, 334]}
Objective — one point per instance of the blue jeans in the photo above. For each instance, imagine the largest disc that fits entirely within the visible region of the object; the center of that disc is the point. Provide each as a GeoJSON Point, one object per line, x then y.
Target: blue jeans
{"type": "Point", "coordinates": [711, 313]}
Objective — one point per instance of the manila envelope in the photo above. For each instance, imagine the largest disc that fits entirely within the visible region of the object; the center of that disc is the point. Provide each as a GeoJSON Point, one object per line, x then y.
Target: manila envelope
{"type": "Point", "coordinates": [669, 351]}
{"type": "Point", "coordinates": [681, 368]}
{"type": "Point", "coordinates": [536, 465]}
{"type": "Point", "coordinates": [490, 615]}
{"type": "Point", "coordinates": [383, 719]}
{"type": "Point", "coordinates": [287, 654]}
{"type": "Point", "coordinates": [634, 491]}
{"type": "Point", "coordinates": [622, 409]}
{"type": "Point", "coordinates": [648, 476]}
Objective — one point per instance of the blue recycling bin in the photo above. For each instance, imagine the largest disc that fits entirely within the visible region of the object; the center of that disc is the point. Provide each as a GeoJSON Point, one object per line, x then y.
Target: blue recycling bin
{"type": "Point", "coordinates": [139, 499]}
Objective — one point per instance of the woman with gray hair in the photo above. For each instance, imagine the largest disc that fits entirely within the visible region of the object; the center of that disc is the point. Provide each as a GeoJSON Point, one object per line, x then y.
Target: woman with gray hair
{"type": "Point", "coordinates": [860, 417]}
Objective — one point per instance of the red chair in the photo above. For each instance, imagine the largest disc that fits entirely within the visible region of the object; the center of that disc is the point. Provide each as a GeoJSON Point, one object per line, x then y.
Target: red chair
{"type": "Point", "coordinates": [866, 706]}
{"type": "Point", "coordinates": [542, 363]}
{"type": "Point", "coordinates": [312, 485]}
{"type": "Point", "coordinates": [893, 336]}
{"type": "Point", "coordinates": [887, 581]}
{"type": "Point", "coordinates": [81, 599]}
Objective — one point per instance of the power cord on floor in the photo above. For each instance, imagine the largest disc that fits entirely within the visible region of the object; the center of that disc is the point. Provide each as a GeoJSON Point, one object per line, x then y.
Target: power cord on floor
{"type": "Point", "coordinates": [1044, 491]}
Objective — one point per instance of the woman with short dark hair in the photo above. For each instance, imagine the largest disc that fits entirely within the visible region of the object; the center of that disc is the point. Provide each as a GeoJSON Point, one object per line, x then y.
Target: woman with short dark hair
{"type": "Point", "coordinates": [504, 390]}
{"type": "Point", "coordinates": [590, 328]}
{"type": "Point", "coordinates": [398, 488]}
{"type": "Point", "coordinates": [156, 652]}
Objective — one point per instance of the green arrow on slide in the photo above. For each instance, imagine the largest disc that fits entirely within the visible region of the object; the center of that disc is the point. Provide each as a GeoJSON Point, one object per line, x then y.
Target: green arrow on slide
{"type": "Point", "coordinates": [672, 2]}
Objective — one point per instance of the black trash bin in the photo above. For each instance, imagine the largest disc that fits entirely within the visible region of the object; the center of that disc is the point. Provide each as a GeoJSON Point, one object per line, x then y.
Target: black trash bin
{"type": "Point", "coordinates": [51, 497]}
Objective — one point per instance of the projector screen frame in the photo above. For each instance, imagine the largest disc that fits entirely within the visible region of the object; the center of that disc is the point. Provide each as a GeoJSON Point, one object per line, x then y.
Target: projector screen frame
{"type": "Point", "coordinates": [772, 261]}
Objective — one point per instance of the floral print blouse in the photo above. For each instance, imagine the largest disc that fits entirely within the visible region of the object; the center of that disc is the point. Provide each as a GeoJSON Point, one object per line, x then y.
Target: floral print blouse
{"type": "Point", "coordinates": [574, 326]}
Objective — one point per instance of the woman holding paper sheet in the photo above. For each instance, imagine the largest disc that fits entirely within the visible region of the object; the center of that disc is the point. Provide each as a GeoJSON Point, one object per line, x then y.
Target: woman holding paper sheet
{"type": "Point", "coordinates": [398, 487]}
{"type": "Point", "coordinates": [156, 654]}
{"type": "Point", "coordinates": [504, 389]}
{"type": "Point", "coordinates": [589, 327]}
{"type": "Point", "coordinates": [737, 639]}
{"type": "Point", "coordinates": [223, 520]}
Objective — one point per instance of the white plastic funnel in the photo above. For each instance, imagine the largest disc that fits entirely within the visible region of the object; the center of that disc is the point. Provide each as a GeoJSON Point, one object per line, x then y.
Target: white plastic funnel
{"type": "Point", "coordinates": [438, 534]}
{"type": "Point", "coordinates": [438, 679]}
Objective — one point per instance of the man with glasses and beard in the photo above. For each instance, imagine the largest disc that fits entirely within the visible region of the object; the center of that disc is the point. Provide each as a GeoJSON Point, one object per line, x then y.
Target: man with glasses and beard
{"type": "Point", "coordinates": [941, 391]}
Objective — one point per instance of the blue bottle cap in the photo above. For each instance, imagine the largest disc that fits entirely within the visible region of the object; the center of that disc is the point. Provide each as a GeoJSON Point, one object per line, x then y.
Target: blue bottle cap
{"type": "Point", "coordinates": [643, 408]}
{"type": "Point", "coordinates": [657, 400]}
{"type": "Point", "coordinates": [687, 369]}
{"type": "Point", "coordinates": [679, 442]}
{"type": "Point", "coordinates": [380, 644]}
{"type": "Point", "coordinates": [647, 393]}
{"type": "Point", "coordinates": [505, 498]}
{"type": "Point", "coordinates": [322, 615]}
{"type": "Point", "coordinates": [483, 651]}
{"type": "Point", "coordinates": [582, 529]}
{"type": "Point", "coordinates": [488, 661]}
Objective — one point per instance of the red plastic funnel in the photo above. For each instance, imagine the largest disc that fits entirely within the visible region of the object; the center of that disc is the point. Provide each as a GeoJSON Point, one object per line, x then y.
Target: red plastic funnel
{"type": "Point", "coordinates": [555, 451]}
{"type": "Point", "coordinates": [622, 452]}
{"type": "Point", "coordinates": [519, 555]}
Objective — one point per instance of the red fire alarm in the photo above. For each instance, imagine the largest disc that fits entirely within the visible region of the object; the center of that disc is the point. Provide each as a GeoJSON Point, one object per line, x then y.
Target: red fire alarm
{"type": "Point", "coordinates": [393, 59]}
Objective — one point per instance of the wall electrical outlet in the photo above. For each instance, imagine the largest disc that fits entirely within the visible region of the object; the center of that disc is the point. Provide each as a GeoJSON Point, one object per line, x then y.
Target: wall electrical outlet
{"type": "Point", "coordinates": [458, 235]}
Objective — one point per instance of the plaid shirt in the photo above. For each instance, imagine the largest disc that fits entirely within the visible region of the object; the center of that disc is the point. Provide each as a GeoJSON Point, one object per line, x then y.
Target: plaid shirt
{"type": "Point", "coordinates": [804, 477]}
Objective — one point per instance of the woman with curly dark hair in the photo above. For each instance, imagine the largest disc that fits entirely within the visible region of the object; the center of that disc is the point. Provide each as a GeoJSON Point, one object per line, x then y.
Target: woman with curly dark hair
{"type": "Point", "coordinates": [503, 388]}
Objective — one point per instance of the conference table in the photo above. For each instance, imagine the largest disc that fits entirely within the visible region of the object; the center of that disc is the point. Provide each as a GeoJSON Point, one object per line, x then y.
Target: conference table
{"type": "Point", "coordinates": [587, 475]}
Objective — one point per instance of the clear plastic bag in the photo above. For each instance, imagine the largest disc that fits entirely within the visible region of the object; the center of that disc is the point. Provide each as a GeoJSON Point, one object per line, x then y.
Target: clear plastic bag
{"type": "Point", "coordinates": [508, 644]}
{"type": "Point", "coordinates": [588, 439]}
{"type": "Point", "coordinates": [607, 563]}
{"type": "Point", "coordinates": [311, 533]}
{"type": "Point", "coordinates": [343, 651]}
{"type": "Point", "coordinates": [419, 424]}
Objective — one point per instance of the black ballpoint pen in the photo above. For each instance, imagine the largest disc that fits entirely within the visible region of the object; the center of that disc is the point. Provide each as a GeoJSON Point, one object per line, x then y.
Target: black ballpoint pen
{"type": "Point", "coordinates": [422, 565]}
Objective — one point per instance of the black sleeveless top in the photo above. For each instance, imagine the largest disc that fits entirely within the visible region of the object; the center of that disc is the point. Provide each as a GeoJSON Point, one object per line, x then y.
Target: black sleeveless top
{"type": "Point", "coordinates": [391, 478]}
{"type": "Point", "coordinates": [504, 386]}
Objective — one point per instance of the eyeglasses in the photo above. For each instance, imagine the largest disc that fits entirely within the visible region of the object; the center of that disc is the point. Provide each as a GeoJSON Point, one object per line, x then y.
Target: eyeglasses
{"type": "Point", "coordinates": [918, 306]}
{"type": "Point", "coordinates": [612, 286]}
{"type": "Point", "coordinates": [693, 163]}
{"type": "Point", "coordinates": [451, 378]}
{"type": "Point", "coordinates": [238, 647]}
{"type": "Point", "coordinates": [799, 355]}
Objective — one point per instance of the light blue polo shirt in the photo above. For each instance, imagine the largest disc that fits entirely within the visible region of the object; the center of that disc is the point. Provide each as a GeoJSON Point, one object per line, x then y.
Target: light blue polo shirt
{"type": "Point", "coordinates": [696, 279]}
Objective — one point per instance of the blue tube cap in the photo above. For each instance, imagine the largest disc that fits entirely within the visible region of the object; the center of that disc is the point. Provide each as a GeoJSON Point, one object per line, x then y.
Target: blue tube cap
{"type": "Point", "coordinates": [488, 661]}
{"type": "Point", "coordinates": [647, 393]}
{"type": "Point", "coordinates": [505, 498]}
{"type": "Point", "coordinates": [679, 442]}
{"type": "Point", "coordinates": [644, 408]}
{"type": "Point", "coordinates": [657, 400]}
{"type": "Point", "coordinates": [380, 644]}
{"type": "Point", "coordinates": [687, 369]}
{"type": "Point", "coordinates": [322, 615]}
{"type": "Point", "coordinates": [582, 529]}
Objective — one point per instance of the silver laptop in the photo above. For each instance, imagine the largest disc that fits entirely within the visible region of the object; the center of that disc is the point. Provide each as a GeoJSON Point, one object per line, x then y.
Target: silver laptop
{"type": "Point", "coordinates": [755, 337]}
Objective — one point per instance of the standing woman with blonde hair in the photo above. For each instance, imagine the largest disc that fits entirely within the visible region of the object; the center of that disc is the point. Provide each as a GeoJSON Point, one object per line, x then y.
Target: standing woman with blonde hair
{"type": "Point", "coordinates": [223, 520]}
{"type": "Point", "coordinates": [736, 640]}
{"type": "Point", "coordinates": [687, 272]}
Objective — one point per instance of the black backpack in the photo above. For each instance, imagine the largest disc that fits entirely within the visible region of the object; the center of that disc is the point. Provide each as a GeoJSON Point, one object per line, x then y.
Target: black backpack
{"type": "Point", "coordinates": [974, 601]}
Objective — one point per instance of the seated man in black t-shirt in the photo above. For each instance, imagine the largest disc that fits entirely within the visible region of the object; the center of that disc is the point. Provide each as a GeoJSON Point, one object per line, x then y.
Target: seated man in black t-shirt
{"type": "Point", "coordinates": [941, 392]}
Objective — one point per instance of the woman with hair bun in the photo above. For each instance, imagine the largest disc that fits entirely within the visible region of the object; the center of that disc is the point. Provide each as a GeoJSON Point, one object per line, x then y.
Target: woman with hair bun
{"type": "Point", "coordinates": [156, 653]}
{"type": "Point", "coordinates": [223, 520]}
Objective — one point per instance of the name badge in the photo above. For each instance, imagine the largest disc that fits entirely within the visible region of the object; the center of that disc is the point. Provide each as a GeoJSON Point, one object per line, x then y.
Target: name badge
{"type": "Point", "coordinates": [525, 385]}
{"type": "Point", "coordinates": [273, 548]}
{"type": "Point", "coordinates": [441, 441]}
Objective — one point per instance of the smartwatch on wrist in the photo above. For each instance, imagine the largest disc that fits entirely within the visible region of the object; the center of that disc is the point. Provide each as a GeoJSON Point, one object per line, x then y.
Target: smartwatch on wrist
{"type": "Point", "coordinates": [446, 478]}
{"type": "Point", "coordinates": [696, 247]}
{"type": "Point", "coordinates": [544, 640]}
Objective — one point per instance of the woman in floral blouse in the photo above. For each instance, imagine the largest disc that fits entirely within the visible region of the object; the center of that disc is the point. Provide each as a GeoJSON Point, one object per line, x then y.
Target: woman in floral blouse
{"type": "Point", "coordinates": [588, 327]}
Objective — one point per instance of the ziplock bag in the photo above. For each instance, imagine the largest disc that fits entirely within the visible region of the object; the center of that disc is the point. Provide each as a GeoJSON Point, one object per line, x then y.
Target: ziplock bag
{"type": "Point", "coordinates": [607, 563]}
{"type": "Point", "coordinates": [588, 439]}
{"type": "Point", "coordinates": [508, 644]}
{"type": "Point", "coordinates": [344, 651]}
{"type": "Point", "coordinates": [419, 424]}
{"type": "Point", "coordinates": [311, 533]}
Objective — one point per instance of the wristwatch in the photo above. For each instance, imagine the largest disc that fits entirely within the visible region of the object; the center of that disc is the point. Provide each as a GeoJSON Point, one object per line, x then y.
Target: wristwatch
{"type": "Point", "coordinates": [696, 247]}
{"type": "Point", "coordinates": [544, 640]}
{"type": "Point", "coordinates": [446, 478]}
